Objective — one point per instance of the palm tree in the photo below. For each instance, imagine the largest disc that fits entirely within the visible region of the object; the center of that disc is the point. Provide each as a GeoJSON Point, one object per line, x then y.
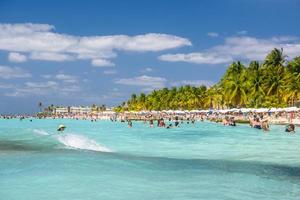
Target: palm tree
{"type": "Point", "coordinates": [274, 74]}
{"type": "Point", "coordinates": [40, 105]}
{"type": "Point", "coordinates": [292, 92]}
{"type": "Point", "coordinates": [275, 58]}
{"type": "Point", "coordinates": [255, 78]}
{"type": "Point", "coordinates": [236, 90]}
{"type": "Point", "coordinates": [234, 83]}
{"type": "Point", "coordinates": [268, 84]}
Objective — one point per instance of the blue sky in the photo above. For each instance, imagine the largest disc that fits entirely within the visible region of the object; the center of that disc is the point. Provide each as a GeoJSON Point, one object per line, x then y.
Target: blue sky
{"type": "Point", "coordinates": [85, 52]}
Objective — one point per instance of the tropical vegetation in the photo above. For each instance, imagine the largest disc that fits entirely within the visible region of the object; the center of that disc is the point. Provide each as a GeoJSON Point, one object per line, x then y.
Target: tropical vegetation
{"type": "Point", "coordinates": [274, 82]}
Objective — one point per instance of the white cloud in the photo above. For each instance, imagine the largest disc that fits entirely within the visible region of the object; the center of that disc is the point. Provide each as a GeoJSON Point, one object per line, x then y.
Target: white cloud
{"type": "Point", "coordinates": [213, 34]}
{"type": "Point", "coordinates": [59, 85]}
{"type": "Point", "coordinates": [46, 76]}
{"type": "Point", "coordinates": [111, 95]}
{"type": "Point", "coordinates": [145, 81]}
{"type": "Point", "coordinates": [192, 83]}
{"type": "Point", "coordinates": [34, 88]}
{"type": "Point", "coordinates": [13, 72]}
{"type": "Point", "coordinates": [250, 48]}
{"type": "Point", "coordinates": [42, 43]}
{"type": "Point", "coordinates": [5, 86]}
{"type": "Point", "coordinates": [239, 48]}
{"type": "Point", "coordinates": [102, 63]}
{"type": "Point", "coordinates": [47, 88]}
{"type": "Point", "coordinates": [16, 57]}
{"type": "Point", "coordinates": [41, 84]}
{"type": "Point", "coordinates": [67, 78]}
{"type": "Point", "coordinates": [27, 28]}
{"type": "Point", "coordinates": [61, 77]}
{"type": "Point", "coordinates": [108, 72]}
{"type": "Point", "coordinates": [148, 69]}
{"type": "Point", "coordinates": [197, 58]}
{"type": "Point", "coordinates": [50, 56]}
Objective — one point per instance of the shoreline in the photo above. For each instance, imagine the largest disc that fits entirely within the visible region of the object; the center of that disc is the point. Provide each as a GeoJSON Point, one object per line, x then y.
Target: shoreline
{"type": "Point", "coordinates": [238, 120]}
{"type": "Point", "coordinates": [279, 116]}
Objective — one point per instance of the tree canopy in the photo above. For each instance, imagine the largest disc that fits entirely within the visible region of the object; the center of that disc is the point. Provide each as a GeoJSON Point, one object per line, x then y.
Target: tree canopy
{"type": "Point", "coordinates": [275, 82]}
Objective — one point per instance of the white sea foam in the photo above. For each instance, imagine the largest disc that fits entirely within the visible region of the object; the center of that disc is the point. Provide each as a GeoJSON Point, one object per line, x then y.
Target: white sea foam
{"type": "Point", "coordinates": [74, 141]}
{"type": "Point", "coordinates": [80, 142]}
{"type": "Point", "coordinates": [40, 132]}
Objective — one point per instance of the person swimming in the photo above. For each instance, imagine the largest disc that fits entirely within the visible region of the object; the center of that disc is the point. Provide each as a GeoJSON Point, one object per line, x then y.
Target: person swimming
{"type": "Point", "coordinates": [61, 128]}
{"type": "Point", "coordinates": [170, 126]}
{"type": "Point", "coordinates": [193, 120]}
{"type": "Point", "coordinates": [232, 122]}
{"type": "Point", "coordinates": [290, 128]}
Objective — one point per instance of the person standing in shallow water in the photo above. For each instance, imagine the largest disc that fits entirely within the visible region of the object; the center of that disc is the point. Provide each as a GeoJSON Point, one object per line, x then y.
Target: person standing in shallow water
{"type": "Point", "coordinates": [161, 123]}
{"type": "Point", "coordinates": [151, 123]}
{"type": "Point", "coordinates": [129, 123]}
{"type": "Point", "coordinates": [176, 121]}
{"type": "Point", "coordinates": [265, 122]}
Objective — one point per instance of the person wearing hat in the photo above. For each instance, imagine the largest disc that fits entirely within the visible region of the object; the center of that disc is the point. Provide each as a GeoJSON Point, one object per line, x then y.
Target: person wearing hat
{"type": "Point", "coordinates": [61, 128]}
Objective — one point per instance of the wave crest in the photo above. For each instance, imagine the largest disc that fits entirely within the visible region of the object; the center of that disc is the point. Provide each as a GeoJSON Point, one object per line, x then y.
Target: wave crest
{"type": "Point", "coordinates": [80, 142]}
{"type": "Point", "coordinates": [40, 132]}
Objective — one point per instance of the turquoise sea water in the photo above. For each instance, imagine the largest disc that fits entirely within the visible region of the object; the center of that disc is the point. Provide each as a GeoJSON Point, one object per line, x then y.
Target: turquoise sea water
{"type": "Point", "coordinates": [204, 161]}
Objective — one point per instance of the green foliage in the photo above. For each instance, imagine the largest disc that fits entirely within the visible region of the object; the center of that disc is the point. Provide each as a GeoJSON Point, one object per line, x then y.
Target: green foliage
{"type": "Point", "coordinates": [274, 83]}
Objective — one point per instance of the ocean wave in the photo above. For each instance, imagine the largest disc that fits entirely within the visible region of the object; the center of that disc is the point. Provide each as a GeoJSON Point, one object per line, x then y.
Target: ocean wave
{"type": "Point", "coordinates": [80, 142]}
{"type": "Point", "coordinates": [40, 132]}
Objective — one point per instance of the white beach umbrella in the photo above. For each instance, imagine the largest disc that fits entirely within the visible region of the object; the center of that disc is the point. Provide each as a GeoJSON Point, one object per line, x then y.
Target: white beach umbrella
{"type": "Point", "coordinates": [291, 109]}
{"type": "Point", "coordinates": [244, 110]}
{"type": "Point", "coordinates": [109, 112]}
{"type": "Point", "coordinates": [204, 111]}
{"type": "Point", "coordinates": [273, 110]}
{"type": "Point", "coordinates": [234, 110]}
{"type": "Point", "coordinates": [179, 112]}
{"type": "Point", "coordinates": [196, 111]}
{"type": "Point", "coordinates": [260, 110]}
{"type": "Point", "coordinates": [220, 111]}
{"type": "Point", "coordinates": [280, 109]}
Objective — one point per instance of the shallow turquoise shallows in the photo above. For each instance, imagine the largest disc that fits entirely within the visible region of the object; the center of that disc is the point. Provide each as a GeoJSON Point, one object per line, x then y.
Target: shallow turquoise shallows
{"type": "Point", "coordinates": [104, 160]}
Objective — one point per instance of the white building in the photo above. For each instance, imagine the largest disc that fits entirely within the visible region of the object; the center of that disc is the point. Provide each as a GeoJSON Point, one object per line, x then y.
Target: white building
{"type": "Point", "coordinates": [76, 110]}
{"type": "Point", "coordinates": [80, 110]}
{"type": "Point", "coordinates": [61, 110]}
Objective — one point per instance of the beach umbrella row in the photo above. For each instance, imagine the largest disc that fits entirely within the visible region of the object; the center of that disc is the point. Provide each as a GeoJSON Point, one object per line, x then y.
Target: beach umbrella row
{"type": "Point", "coordinates": [222, 111]}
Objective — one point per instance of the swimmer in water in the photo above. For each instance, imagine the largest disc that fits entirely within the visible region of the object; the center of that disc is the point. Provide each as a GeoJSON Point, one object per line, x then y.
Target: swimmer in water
{"type": "Point", "coordinates": [61, 128]}
{"type": "Point", "coordinates": [290, 128]}
{"type": "Point", "coordinates": [169, 126]}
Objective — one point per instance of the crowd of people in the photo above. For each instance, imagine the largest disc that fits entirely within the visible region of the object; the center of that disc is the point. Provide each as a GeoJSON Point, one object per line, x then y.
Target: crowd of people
{"type": "Point", "coordinates": [255, 120]}
{"type": "Point", "coordinates": [261, 120]}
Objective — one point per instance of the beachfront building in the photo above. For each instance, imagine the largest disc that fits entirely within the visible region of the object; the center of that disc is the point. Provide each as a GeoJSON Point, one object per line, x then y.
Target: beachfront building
{"type": "Point", "coordinates": [80, 110]}
{"type": "Point", "coordinates": [60, 110]}
{"type": "Point", "coordinates": [72, 110]}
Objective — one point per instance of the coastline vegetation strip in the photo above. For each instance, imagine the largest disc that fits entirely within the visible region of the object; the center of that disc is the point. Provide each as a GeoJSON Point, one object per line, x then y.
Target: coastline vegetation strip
{"type": "Point", "coordinates": [275, 82]}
